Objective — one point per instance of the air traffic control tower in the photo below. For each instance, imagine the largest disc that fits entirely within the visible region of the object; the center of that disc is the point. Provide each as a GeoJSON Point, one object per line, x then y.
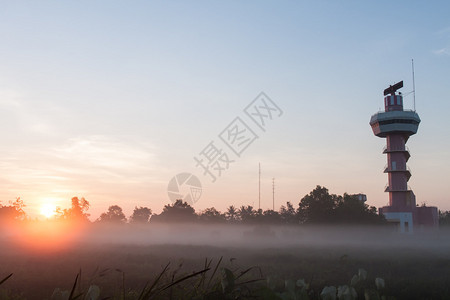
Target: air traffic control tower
{"type": "Point", "coordinates": [397, 125]}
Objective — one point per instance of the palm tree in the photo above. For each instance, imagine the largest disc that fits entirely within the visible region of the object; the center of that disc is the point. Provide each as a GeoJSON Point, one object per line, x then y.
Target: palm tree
{"type": "Point", "coordinates": [231, 214]}
{"type": "Point", "coordinates": [247, 213]}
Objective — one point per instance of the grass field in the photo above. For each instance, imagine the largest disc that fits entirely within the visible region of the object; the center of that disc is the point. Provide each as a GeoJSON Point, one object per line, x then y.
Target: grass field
{"type": "Point", "coordinates": [122, 260]}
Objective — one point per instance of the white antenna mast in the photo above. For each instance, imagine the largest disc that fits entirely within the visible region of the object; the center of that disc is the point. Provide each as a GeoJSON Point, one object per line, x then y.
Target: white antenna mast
{"type": "Point", "coordinates": [414, 84]}
{"type": "Point", "coordinates": [273, 194]}
{"type": "Point", "coordinates": [259, 188]}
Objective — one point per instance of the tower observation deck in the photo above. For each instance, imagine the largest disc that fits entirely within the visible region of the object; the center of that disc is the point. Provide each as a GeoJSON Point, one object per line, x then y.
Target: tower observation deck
{"type": "Point", "coordinates": [397, 125]}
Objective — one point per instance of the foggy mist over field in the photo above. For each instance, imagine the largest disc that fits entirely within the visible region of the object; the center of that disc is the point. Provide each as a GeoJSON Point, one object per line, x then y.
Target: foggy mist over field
{"type": "Point", "coordinates": [254, 236]}
{"type": "Point", "coordinates": [102, 252]}
{"type": "Point", "coordinates": [249, 236]}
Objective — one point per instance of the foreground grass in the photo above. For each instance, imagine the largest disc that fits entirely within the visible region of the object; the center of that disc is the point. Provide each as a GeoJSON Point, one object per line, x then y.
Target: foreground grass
{"type": "Point", "coordinates": [229, 284]}
{"type": "Point", "coordinates": [136, 272]}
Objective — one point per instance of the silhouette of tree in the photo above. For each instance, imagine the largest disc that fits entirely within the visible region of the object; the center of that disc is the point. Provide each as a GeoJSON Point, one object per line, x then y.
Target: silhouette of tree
{"type": "Point", "coordinates": [350, 209]}
{"type": "Point", "coordinates": [79, 209]}
{"type": "Point", "coordinates": [269, 216]}
{"type": "Point", "coordinates": [212, 215]}
{"type": "Point", "coordinates": [288, 213]}
{"type": "Point", "coordinates": [18, 205]}
{"type": "Point", "coordinates": [317, 206]}
{"type": "Point", "coordinates": [232, 214]}
{"type": "Point", "coordinates": [60, 214]}
{"type": "Point", "coordinates": [321, 207]}
{"type": "Point", "coordinates": [12, 212]}
{"type": "Point", "coordinates": [247, 214]}
{"type": "Point", "coordinates": [141, 215]}
{"type": "Point", "coordinates": [113, 215]}
{"type": "Point", "coordinates": [77, 212]}
{"type": "Point", "coordinates": [8, 213]}
{"type": "Point", "coordinates": [177, 212]}
{"type": "Point", "coordinates": [444, 218]}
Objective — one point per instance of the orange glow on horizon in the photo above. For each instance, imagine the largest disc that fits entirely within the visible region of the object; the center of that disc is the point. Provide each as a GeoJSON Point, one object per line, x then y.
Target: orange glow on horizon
{"type": "Point", "coordinates": [47, 236]}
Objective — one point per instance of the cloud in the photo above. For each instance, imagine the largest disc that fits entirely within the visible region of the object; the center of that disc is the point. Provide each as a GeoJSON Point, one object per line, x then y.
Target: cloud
{"type": "Point", "coordinates": [28, 116]}
{"type": "Point", "coordinates": [102, 167]}
{"type": "Point", "coordinates": [120, 158]}
{"type": "Point", "coordinates": [9, 99]}
{"type": "Point", "coordinates": [443, 35]}
{"type": "Point", "coordinates": [442, 51]}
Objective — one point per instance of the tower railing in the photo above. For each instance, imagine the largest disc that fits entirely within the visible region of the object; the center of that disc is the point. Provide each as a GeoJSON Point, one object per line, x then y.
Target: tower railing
{"type": "Point", "coordinates": [382, 111]}
{"type": "Point", "coordinates": [395, 149]}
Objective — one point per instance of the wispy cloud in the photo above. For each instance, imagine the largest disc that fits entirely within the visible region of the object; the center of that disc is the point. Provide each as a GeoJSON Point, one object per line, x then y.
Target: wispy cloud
{"type": "Point", "coordinates": [442, 51]}
{"type": "Point", "coordinates": [83, 160]}
{"type": "Point", "coordinates": [443, 35]}
{"type": "Point", "coordinates": [120, 158]}
{"type": "Point", "coordinates": [9, 99]}
{"type": "Point", "coordinates": [106, 168]}
{"type": "Point", "coordinates": [30, 116]}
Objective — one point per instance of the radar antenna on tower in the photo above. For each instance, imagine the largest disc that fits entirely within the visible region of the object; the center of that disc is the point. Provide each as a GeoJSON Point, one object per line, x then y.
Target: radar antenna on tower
{"type": "Point", "coordinates": [393, 88]}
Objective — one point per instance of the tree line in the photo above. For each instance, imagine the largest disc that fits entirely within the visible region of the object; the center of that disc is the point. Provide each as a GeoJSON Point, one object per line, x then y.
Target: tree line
{"type": "Point", "coordinates": [317, 207]}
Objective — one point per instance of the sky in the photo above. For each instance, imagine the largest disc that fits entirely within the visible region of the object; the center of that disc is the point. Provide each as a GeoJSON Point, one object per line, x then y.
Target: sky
{"type": "Point", "coordinates": [109, 100]}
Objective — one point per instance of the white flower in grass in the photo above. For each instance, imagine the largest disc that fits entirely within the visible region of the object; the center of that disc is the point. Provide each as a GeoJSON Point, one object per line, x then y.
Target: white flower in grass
{"type": "Point", "coordinates": [379, 282]}
{"type": "Point", "coordinates": [346, 293]}
{"type": "Point", "coordinates": [328, 293]}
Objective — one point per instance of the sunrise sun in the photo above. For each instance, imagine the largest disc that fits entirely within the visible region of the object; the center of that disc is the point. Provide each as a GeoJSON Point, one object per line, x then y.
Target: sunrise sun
{"type": "Point", "coordinates": [48, 210]}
